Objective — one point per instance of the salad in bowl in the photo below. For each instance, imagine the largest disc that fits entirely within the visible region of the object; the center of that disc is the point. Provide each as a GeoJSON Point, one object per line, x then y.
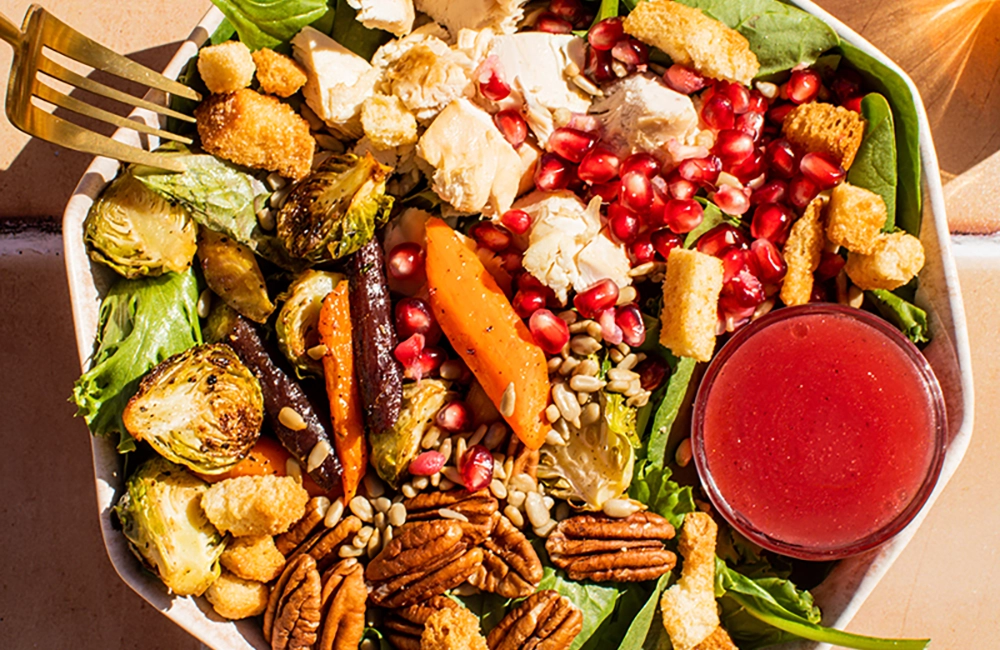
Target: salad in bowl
{"type": "Point", "coordinates": [407, 355]}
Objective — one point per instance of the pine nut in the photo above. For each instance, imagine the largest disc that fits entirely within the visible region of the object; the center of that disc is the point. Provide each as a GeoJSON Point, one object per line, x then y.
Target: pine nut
{"type": "Point", "coordinates": [626, 295]}
{"type": "Point", "coordinates": [585, 384]}
{"type": "Point", "coordinates": [508, 468]}
{"type": "Point", "coordinates": [591, 413]}
{"type": "Point", "coordinates": [334, 513]}
{"type": "Point", "coordinates": [362, 508]}
{"type": "Point", "coordinates": [683, 453]}
{"type": "Point", "coordinates": [382, 504]}
{"type": "Point", "coordinates": [292, 468]}
{"type": "Point", "coordinates": [448, 513]}
{"type": "Point", "coordinates": [478, 436]}
{"type": "Point", "coordinates": [584, 345]}
{"type": "Point", "coordinates": [524, 483]}
{"type": "Point", "coordinates": [431, 438]}
{"type": "Point", "coordinates": [350, 550]}
{"type": "Point", "coordinates": [507, 401]}
{"type": "Point", "coordinates": [374, 544]}
{"type": "Point", "coordinates": [465, 590]}
{"type": "Point", "coordinates": [421, 482]}
{"type": "Point", "coordinates": [265, 217]}
{"type": "Point", "coordinates": [408, 491]}
{"type": "Point", "coordinates": [387, 535]}
{"type": "Point", "coordinates": [548, 501]}
{"type": "Point", "coordinates": [562, 511]}
{"type": "Point", "coordinates": [363, 536]}
{"type": "Point", "coordinates": [320, 452]}
{"type": "Point", "coordinates": [461, 446]}
{"type": "Point", "coordinates": [495, 435]}
{"type": "Point", "coordinates": [562, 427]}
{"type": "Point", "coordinates": [767, 89]}
{"type": "Point", "coordinates": [291, 419]}
{"type": "Point", "coordinates": [624, 348]}
{"type": "Point", "coordinates": [642, 269]}
{"type": "Point", "coordinates": [855, 296]}
{"type": "Point", "coordinates": [451, 474]}
{"type": "Point", "coordinates": [569, 316]}
{"type": "Point", "coordinates": [546, 529]}
{"type": "Point", "coordinates": [634, 386]}
{"type": "Point", "coordinates": [553, 439]}
{"type": "Point", "coordinates": [538, 514]}
{"type": "Point", "coordinates": [498, 470]}
{"type": "Point", "coordinates": [379, 520]}
{"type": "Point", "coordinates": [436, 479]}
{"type": "Point", "coordinates": [568, 365]}
{"type": "Point", "coordinates": [514, 515]}
{"type": "Point", "coordinates": [445, 448]}
{"type": "Point", "coordinates": [317, 352]}
{"type": "Point", "coordinates": [205, 303]}
{"type": "Point", "coordinates": [620, 508]}
{"type": "Point", "coordinates": [451, 370]}
{"type": "Point", "coordinates": [582, 398]}
{"type": "Point", "coordinates": [397, 515]}
{"type": "Point", "coordinates": [498, 489]}
{"type": "Point", "coordinates": [368, 644]}
{"type": "Point", "coordinates": [445, 485]}
{"type": "Point", "coordinates": [515, 498]}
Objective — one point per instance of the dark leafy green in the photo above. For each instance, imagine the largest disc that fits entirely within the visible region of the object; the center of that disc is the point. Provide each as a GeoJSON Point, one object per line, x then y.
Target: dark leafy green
{"type": "Point", "coordinates": [270, 23]}
{"type": "Point", "coordinates": [353, 35]}
{"type": "Point", "coordinates": [638, 631]}
{"type": "Point", "coordinates": [780, 35]}
{"type": "Point", "coordinates": [596, 601]}
{"type": "Point", "coordinates": [490, 608]}
{"type": "Point", "coordinates": [652, 485]}
{"type": "Point", "coordinates": [141, 323]}
{"type": "Point", "coordinates": [909, 318]}
{"type": "Point", "coordinates": [874, 167]}
{"type": "Point", "coordinates": [668, 409]}
{"type": "Point", "coordinates": [713, 217]}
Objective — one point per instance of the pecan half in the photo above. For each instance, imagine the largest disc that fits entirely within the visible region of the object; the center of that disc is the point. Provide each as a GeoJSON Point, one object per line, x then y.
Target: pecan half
{"type": "Point", "coordinates": [424, 559]}
{"type": "Point", "coordinates": [292, 617]}
{"type": "Point", "coordinates": [343, 601]}
{"type": "Point", "coordinates": [545, 620]}
{"type": "Point", "coordinates": [300, 530]}
{"type": "Point", "coordinates": [600, 548]}
{"type": "Point", "coordinates": [404, 626]}
{"type": "Point", "coordinates": [510, 566]}
{"type": "Point", "coordinates": [477, 507]}
{"type": "Point", "coordinates": [323, 545]}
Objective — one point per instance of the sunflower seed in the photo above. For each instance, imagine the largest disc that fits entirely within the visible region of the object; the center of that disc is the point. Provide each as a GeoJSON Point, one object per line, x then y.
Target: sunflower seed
{"type": "Point", "coordinates": [524, 483]}
{"type": "Point", "coordinates": [628, 362]}
{"type": "Point", "coordinates": [617, 386]}
{"type": "Point", "coordinates": [461, 446]}
{"type": "Point", "coordinates": [445, 485]}
{"type": "Point", "coordinates": [588, 367]}
{"type": "Point", "coordinates": [584, 345]}
{"type": "Point", "coordinates": [585, 384]}
{"type": "Point", "coordinates": [317, 352]}
{"type": "Point", "coordinates": [615, 355]}
{"type": "Point", "coordinates": [445, 448]}
{"type": "Point", "coordinates": [397, 515]}
{"type": "Point", "coordinates": [566, 402]}
{"type": "Point", "coordinates": [320, 452]}
{"type": "Point", "coordinates": [591, 413]}
{"type": "Point", "coordinates": [362, 508]}
{"type": "Point", "coordinates": [495, 436]}
{"type": "Point", "coordinates": [205, 303]}
{"type": "Point", "coordinates": [642, 269]}
{"type": "Point", "coordinates": [478, 435]}
{"type": "Point", "coordinates": [292, 468]}
{"type": "Point", "coordinates": [552, 413]}
{"type": "Point", "coordinates": [379, 520]}
{"type": "Point", "coordinates": [638, 401]}
{"type": "Point", "coordinates": [291, 419]}
{"type": "Point", "coordinates": [431, 438]}
{"type": "Point", "coordinates": [568, 365]}
{"type": "Point", "coordinates": [553, 439]}
{"type": "Point", "coordinates": [507, 401]}
{"type": "Point", "coordinates": [621, 374]}
{"type": "Point", "coordinates": [465, 590]}
{"type": "Point", "coordinates": [595, 330]}
{"type": "Point", "coordinates": [334, 513]}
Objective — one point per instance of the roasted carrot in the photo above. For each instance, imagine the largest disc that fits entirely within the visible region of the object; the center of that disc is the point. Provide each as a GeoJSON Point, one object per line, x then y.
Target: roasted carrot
{"type": "Point", "coordinates": [341, 387]}
{"type": "Point", "coordinates": [483, 328]}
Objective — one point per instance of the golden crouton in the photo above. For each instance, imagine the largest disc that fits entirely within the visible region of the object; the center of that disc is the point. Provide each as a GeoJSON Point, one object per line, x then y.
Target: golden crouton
{"type": "Point", "coordinates": [693, 39]}
{"type": "Point", "coordinates": [802, 254]}
{"type": "Point", "coordinates": [257, 131]}
{"type": "Point", "coordinates": [717, 640]}
{"type": "Point", "coordinates": [690, 303]}
{"type": "Point", "coordinates": [253, 558]}
{"type": "Point", "coordinates": [824, 127]}
{"type": "Point", "coordinates": [452, 629]}
{"type": "Point", "coordinates": [854, 218]}
{"type": "Point", "coordinates": [689, 610]}
{"type": "Point", "coordinates": [255, 505]}
{"type": "Point", "coordinates": [278, 74]}
{"type": "Point", "coordinates": [226, 67]}
{"type": "Point", "coordinates": [387, 123]}
{"type": "Point", "coordinates": [896, 259]}
{"type": "Point", "coordinates": [235, 598]}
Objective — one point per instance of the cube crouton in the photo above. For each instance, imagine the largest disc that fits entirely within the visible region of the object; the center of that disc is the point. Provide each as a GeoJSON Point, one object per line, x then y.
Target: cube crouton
{"type": "Point", "coordinates": [226, 67]}
{"type": "Point", "coordinates": [235, 598]}
{"type": "Point", "coordinates": [824, 127]}
{"type": "Point", "coordinates": [255, 130]}
{"type": "Point", "coordinates": [717, 640]}
{"type": "Point", "coordinates": [387, 123]}
{"type": "Point", "coordinates": [253, 558]}
{"type": "Point", "coordinates": [690, 303]}
{"type": "Point", "coordinates": [855, 218]}
{"type": "Point", "coordinates": [688, 607]}
{"type": "Point", "coordinates": [802, 254]}
{"type": "Point", "coordinates": [896, 259]}
{"type": "Point", "coordinates": [255, 505]}
{"type": "Point", "coordinates": [693, 39]}
{"type": "Point", "coordinates": [452, 629]}
{"type": "Point", "coordinates": [278, 74]}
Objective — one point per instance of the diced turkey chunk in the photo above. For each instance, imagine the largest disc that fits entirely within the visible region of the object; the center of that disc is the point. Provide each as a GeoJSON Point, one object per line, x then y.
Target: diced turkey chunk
{"type": "Point", "coordinates": [425, 73]}
{"type": "Point", "coordinates": [474, 168]}
{"type": "Point", "coordinates": [501, 15]}
{"type": "Point", "coordinates": [394, 16]}
{"type": "Point", "coordinates": [339, 80]}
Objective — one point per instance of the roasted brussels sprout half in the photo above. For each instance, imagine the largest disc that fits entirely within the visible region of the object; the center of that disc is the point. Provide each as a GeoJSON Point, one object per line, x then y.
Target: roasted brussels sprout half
{"type": "Point", "coordinates": [299, 316]}
{"type": "Point", "coordinates": [334, 211]}
{"type": "Point", "coordinates": [162, 519]}
{"type": "Point", "coordinates": [231, 271]}
{"type": "Point", "coordinates": [202, 408]}
{"type": "Point", "coordinates": [393, 450]}
{"type": "Point", "coordinates": [137, 232]}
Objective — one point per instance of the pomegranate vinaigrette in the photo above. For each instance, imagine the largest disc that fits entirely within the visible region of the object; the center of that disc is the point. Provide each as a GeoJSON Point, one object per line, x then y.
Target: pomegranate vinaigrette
{"type": "Point", "coordinates": [818, 431]}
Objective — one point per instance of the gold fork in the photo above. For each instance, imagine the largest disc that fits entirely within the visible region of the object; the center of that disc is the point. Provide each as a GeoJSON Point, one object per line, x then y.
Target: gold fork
{"type": "Point", "coordinates": [43, 30]}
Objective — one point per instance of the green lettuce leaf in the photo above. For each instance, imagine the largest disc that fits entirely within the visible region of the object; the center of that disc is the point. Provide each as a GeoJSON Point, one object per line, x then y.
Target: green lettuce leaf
{"type": "Point", "coordinates": [270, 23]}
{"type": "Point", "coordinates": [490, 608]}
{"type": "Point", "coordinates": [874, 167]}
{"type": "Point", "coordinates": [909, 318]}
{"type": "Point", "coordinates": [639, 630]}
{"type": "Point", "coordinates": [141, 323]}
{"type": "Point", "coordinates": [353, 35]}
{"type": "Point", "coordinates": [669, 408]}
{"type": "Point", "coordinates": [596, 601]}
{"type": "Point", "coordinates": [713, 217]}
{"type": "Point", "coordinates": [652, 485]}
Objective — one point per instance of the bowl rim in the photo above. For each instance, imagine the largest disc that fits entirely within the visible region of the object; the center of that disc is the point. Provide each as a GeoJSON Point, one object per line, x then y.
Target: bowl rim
{"type": "Point", "coordinates": [850, 583]}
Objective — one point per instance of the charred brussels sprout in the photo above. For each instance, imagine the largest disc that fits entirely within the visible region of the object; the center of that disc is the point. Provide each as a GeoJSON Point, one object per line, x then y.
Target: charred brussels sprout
{"type": "Point", "coordinates": [335, 210]}
{"type": "Point", "coordinates": [138, 233]}
{"type": "Point", "coordinates": [297, 321]}
{"type": "Point", "coordinates": [202, 408]}
{"type": "Point", "coordinates": [162, 519]}
{"type": "Point", "coordinates": [393, 450]}
{"type": "Point", "coordinates": [231, 271]}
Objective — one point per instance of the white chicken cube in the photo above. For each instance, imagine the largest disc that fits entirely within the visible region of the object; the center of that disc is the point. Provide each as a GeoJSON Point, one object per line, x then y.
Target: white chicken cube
{"type": "Point", "coordinates": [338, 80]}
{"type": "Point", "coordinates": [425, 73]}
{"type": "Point", "coordinates": [394, 16]}
{"type": "Point", "coordinates": [500, 15]}
{"type": "Point", "coordinates": [474, 168]}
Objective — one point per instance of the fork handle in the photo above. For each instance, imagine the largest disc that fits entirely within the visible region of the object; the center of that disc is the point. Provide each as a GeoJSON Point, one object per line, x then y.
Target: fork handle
{"type": "Point", "coordinates": [10, 33]}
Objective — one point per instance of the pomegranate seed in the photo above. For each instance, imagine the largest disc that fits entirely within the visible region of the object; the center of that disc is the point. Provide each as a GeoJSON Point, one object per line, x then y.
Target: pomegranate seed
{"type": "Point", "coordinates": [413, 316]}
{"type": "Point", "coordinates": [526, 282]}
{"type": "Point", "coordinates": [775, 191]}
{"type": "Point", "coordinates": [605, 34]}
{"type": "Point", "coordinates": [406, 261]}
{"type": "Point", "coordinates": [721, 237]}
{"type": "Point", "coordinates": [489, 235]}
{"type": "Point", "coordinates": [527, 301]}
{"type": "Point", "coordinates": [680, 188]}
{"type": "Point", "coordinates": [643, 163]}
{"type": "Point", "coordinates": [803, 86]}
{"type": "Point", "coordinates": [454, 417]}
{"type": "Point", "coordinates": [738, 96]}
{"type": "Point", "coordinates": [429, 362]}
{"type": "Point", "coordinates": [601, 295]}
{"type": "Point", "coordinates": [408, 353]}
{"type": "Point", "coordinates": [641, 249]}
{"type": "Point", "coordinates": [610, 332]}
{"type": "Point", "coordinates": [599, 165]}
{"type": "Point", "coordinates": [655, 215]}
{"type": "Point", "coordinates": [700, 170]}
{"type": "Point", "coordinates": [664, 241]}
{"type": "Point", "coordinates": [758, 103]}
{"type": "Point", "coordinates": [494, 88]}
{"type": "Point", "coordinates": [427, 463]}
{"type": "Point", "coordinates": [599, 67]}
{"type": "Point", "coordinates": [731, 200]}
{"type": "Point", "coordinates": [553, 173]}
{"type": "Point", "coordinates": [830, 265]}
{"type": "Point", "coordinates": [750, 169]}
{"type": "Point", "coordinates": [512, 260]}
{"type": "Point", "coordinates": [683, 216]}
{"type": "Point", "coordinates": [571, 144]}
{"type": "Point", "coordinates": [652, 373]}
{"type": "Point", "coordinates": [854, 103]}
{"type": "Point", "coordinates": [630, 52]}
{"type": "Point", "coordinates": [777, 112]}
{"type": "Point", "coordinates": [553, 24]}
{"type": "Point", "coordinates": [516, 221]}
{"type": "Point", "coordinates": [512, 125]}
{"type": "Point", "coordinates": [742, 291]}
{"type": "Point", "coordinates": [820, 293]}
{"type": "Point", "coordinates": [733, 147]}
{"type": "Point", "coordinates": [571, 10]}
{"type": "Point", "coordinates": [717, 113]}
{"type": "Point", "coordinates": [846, 84]}
{"type": "Point", "coordinates": [734, 260]}
{"type": "Point", "coordinates": [683, 79]}
{"type": "Point", "coordinates": [636, 191]}
{"type": "Point", "coordinates": [771, 221]}
{"type": "Point", "coordinates": [607, 191]}
{"type": "Point", "coordinates": [629, 320]}
{"type": "Point", "coordinates": [781, 158]}
{"type": "Point", "coordinates": [550, 332]}
{"type": "Point", "coordinates": [765, 261]}
{"type": "Point", "coordinates": [752, 124]}
{"type": "Point", "coordinates": [822, 168]}
{"type": "Point", "coordinates": [623, 223]}
{"type": "Point", "coordinates": [801, 191]}
{"type": "Point", "coordinates": [476, 468]}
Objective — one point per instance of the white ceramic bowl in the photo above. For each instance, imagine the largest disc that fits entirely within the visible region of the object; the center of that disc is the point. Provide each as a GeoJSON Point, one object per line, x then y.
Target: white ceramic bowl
{"type": "Point", "coordinates": [840, 595]}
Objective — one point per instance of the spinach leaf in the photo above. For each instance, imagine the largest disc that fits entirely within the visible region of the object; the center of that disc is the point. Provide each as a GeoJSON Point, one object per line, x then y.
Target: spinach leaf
{"type": "Point", "coordinates": [909, 318]}
{"type": "Point", "coordinates": [596, 601]}
{"type": "Point", "coordinates": [489, 608]}
{"type": "Point", "coordinates": [874, 167]}
{"type": "Point", "coordinates": [668, 409]}
{"type": "Point", "coordinates": [353, 35]}
{"type": "Point", "coordinates": [141, 323]}
{"type": "Point", "coordinates": [652, 485]}
{"type": "Point", "coordinates": [712, 218]}
{"type": "Point", "coordinates": [635, 637]}
{"type": "Point", "coordinates": [270, 23]}
{"type": "Point", "coordinates": [780, 35]}
{"type": "Point", "coordinates": [907, 129]}
{"type": "Point", "coordinates": [631, 598]}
